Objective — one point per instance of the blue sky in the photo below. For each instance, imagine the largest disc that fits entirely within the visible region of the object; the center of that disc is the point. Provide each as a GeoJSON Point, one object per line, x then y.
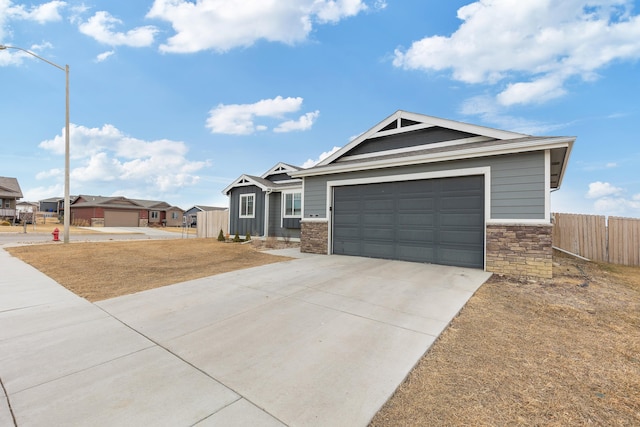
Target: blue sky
{"type": "Point", "coordinates": [172, 99]}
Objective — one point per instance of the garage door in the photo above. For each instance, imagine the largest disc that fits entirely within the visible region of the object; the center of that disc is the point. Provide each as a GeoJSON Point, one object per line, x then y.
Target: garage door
{"type": "Point", "coordinates": [439, 221]}
{"type": "Point", "coordinates": [120, 218]}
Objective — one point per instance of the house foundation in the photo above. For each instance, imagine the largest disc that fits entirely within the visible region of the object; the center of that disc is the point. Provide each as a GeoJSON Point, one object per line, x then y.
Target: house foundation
{"type": "Point", "coordinates": [520, 250]}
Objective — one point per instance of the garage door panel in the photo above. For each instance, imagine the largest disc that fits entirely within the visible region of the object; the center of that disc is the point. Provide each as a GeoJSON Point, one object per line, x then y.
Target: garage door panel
{"type": "Point", "coordinates": [438, 220]}
{"type": "Point", "coordinates": [114, 218]}
{"type": "Point", "coordinates": [376, 249]}
{"type": "Point", "coordinates": [426, 220]}
{"type": "Point", "coordinates": [379, 219]}
{"type": "Point", "coordinates": [469, 219]}
{"type": "Point", "coordinates": [420, 203]}
{"type": "Point", "coordinates": [413, 235]}
{"type": "Point", "coordinates": [382, 233]}
{"type": "Point", "coordinates": [349, 232]}
{"type": "Point", "coordinates": [380, 205]}
{"type": "Point", "coordinates": [416, 253]}
{"type": "Point", "coordinates": [459, 257]}
{"type": "Point", "coordinates": [461, 202]}
{"type": "Point", "coordinates": [464, 237]}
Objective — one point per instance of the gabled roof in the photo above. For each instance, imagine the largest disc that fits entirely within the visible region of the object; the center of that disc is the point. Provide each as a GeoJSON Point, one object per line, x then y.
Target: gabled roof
{"type": "Point", "coordinates": [280, 168]}
{"type": "Point", "coordinates": [407, 138]}
{"type": "Point", "coordinates": [264, 183]}
{"type": "Point", "coordinates": [9, 188]}
{"type": "Point", "coordinates": [120, 202]}
{"type": "Point", "coordinates": [203, 208]}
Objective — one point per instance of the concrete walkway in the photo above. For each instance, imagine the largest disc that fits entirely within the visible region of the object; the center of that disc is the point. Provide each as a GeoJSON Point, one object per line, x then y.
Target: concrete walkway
{"type": "Point", "coordinates": [316, 341]}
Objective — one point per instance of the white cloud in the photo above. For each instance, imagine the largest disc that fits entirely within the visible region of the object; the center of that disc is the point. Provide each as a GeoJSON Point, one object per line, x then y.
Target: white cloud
{"type": "Point", "coordinates": [46, 12]}
{"type": "Point", "coordinates": [534, 46]}
{"type": "Point", "coordinates": [490, 111]}
{"type": "Point", "coordinates": [617, 206]}
{"type": "Point", "coordinates": [104, 55]}
{"type": "Point", "coordinates": [305, 122]}
{"type": "Point", "coordinates": [222, 25]}
{"type": "Point", "coordinates": [101, 25]}
{"type": "Point", "coordinates": [602, 189]}
{"type": "Point", "coordinates": [107, 155]}
{"type": "Point", "coordinates": [311, 162]}
{"type": "Point", "coordinates": [43, 13]}
{"type": "Point", "coordinates": [239, 119]}
{"type": "Point", "coordinates": [611, 200]}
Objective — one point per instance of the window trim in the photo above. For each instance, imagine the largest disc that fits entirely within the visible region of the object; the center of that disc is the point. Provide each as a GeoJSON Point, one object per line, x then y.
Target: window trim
{"type": "Point", "coordinates": [253, 206]}
{"type": "Point", "coordinates": [284, 203]}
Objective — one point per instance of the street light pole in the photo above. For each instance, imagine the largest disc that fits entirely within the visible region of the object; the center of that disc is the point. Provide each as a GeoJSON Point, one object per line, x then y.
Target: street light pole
{"type": "Point", "coordinates": [67, 202]}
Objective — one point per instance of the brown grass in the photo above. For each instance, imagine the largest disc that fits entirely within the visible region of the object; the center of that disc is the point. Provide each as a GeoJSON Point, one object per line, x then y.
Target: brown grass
{"type": "Point", "coordinates": [102, 270]}
{"type": "Point", "coordinates": [564, 352]}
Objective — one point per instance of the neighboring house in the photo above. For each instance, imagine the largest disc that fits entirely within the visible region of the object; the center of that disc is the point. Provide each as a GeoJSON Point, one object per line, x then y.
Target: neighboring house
{"type": "Point", "coordinates": [53, 205]}
{"type": "Point", "coordinates": [26, 211]}
{"type": "Point", "coordinates": [425, 189]}
{"type": "Point", "coordinates": [191, 214]}
{"type": "Point", "coordinates": [25, 206]}
{"type": "Point", "coordinates": [267, 205]}
{"type": "Point", "coordinates": [123, 212]}
{"type": "Point", "coordinates": [10, 192]}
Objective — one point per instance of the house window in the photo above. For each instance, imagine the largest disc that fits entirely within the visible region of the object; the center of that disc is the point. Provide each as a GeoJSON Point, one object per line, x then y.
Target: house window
{"type": "Point", "coordinates": [155, 214]}
{"type": "Point", "coordinates": [174, 215]}
{"type": "Point", "coordinates": [292, 205]}
{"type": "Point", "coordinates": [247, 205]}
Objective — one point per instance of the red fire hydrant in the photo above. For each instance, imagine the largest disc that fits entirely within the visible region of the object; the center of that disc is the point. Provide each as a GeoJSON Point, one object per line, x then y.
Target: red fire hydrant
{"type": "Point", "coordinates": [56, 233]}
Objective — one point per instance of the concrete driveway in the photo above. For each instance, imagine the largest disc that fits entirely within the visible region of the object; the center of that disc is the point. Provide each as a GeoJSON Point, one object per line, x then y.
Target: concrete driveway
{"type": "Point", "coordinates": [320, 340]}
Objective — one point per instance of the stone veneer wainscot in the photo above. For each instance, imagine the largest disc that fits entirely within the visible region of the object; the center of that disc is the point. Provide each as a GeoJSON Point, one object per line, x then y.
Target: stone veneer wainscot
{"type": "Point", "coordinates": [520, 250]}
{"type": "Point", "coordinates": [314, 236]}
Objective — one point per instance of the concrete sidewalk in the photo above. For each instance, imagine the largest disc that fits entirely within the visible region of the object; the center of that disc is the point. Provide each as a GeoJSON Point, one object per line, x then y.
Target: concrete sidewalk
{"type": "Point", "coordinates": [321, 340]}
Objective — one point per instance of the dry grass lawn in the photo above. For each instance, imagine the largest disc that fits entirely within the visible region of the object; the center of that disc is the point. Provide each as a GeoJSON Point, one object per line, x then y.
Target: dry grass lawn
{"type": "Point", "coordinates": [102, 270]}
{"type": "Point", "coordinates": [565, 352]}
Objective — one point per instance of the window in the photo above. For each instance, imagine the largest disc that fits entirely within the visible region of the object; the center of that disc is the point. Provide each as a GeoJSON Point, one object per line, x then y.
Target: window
{"type": "Point", "coordinates": [247, 205]}
{"type": "Point", "coordinates": [292, 205]}
{"type": "Point", "coordinates": [174, 215]}
{"type": "Point", "coordinates": [155, 214]}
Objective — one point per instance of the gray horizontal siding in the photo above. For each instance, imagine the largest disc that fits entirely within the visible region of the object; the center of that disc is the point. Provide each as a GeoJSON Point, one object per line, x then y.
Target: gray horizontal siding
{"type": "Point", "coordinates": [517, 184]}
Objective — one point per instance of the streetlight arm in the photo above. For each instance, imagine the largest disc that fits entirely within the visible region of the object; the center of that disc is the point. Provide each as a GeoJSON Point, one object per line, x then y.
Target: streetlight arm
{"type": "Point", "coordinates": [67, 201]}
{"type": "Point", "coordinates": [3, 47]}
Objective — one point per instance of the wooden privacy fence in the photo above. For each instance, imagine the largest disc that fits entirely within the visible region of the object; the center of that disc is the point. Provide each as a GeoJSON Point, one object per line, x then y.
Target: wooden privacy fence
{"type": "Point", "coordinates": [590, 236]}
{"type": "Point", "coordinates": [209, 223]}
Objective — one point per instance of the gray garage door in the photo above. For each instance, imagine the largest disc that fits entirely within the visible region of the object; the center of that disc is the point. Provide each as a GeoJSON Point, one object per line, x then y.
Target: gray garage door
{"type": "Point", "coordinates": [439, 221]}
{"type": "Point", "coordinates": [120, 218]}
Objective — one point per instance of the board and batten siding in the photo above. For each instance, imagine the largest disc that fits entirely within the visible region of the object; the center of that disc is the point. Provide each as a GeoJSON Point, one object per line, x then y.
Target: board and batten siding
{"type": "Point", "coordinates": [517, 184]}
{"type": "Point", "coordinates": [255, 226]}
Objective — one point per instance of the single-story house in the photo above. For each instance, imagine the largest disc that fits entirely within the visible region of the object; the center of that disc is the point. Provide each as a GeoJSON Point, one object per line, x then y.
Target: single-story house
{"type": "Point", "coordinates": [191, 214]}
{"type": "Point", "coordinates": [55, 204]}
{"type": "Point", "coordinates": [269, 205]}
{"type": "Point", "coordinates": [123, 212]}
{"type": "Point", "coordinates": [10, 192]}
{"type": "Point", "coordinates": [426, 189]}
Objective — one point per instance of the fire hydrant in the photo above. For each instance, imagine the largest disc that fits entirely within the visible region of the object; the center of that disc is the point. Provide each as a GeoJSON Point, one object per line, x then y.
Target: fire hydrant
{"type": "Point", "coordinates": [56, 233]}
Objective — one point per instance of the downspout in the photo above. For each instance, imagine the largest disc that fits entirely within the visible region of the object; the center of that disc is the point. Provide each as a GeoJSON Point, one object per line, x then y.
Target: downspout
{"type": "Point", "coordinates": [266, 211]}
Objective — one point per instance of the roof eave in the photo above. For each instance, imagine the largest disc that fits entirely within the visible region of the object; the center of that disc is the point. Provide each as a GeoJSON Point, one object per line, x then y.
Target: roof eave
{"type": "Point", "coordinates": [506, 148]}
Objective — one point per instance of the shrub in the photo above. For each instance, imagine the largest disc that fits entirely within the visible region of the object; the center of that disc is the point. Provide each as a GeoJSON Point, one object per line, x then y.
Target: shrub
{"type": "Point", "coordinates": [236, 238]}
{"type": "Point", "coordinates": [221, 236]}
{"type": "Point", "coordinates": [247, 237]}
